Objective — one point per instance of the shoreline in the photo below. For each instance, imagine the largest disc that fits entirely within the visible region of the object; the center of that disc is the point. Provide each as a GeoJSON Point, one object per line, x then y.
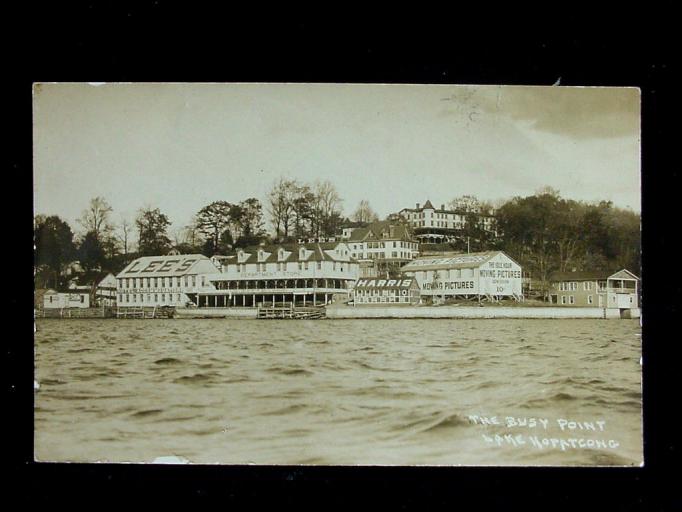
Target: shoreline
{"type": "Point", "coordinates": [424, 312]}
{"type": "Point", "coordinates": [408, 312]}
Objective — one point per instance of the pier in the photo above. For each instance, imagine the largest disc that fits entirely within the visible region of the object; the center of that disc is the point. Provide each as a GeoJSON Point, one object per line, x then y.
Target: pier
{"type": "Point", "coordinates": [145, 312]}
{"type": "Point", "coordinates": [291, 312]}
{"type": "Point", "coordinates": [103, 312]}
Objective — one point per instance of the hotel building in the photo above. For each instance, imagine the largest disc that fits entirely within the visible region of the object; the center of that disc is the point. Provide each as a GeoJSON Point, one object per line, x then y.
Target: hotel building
{"type": "Point", "coordinates": [492, 275]}
{"type": "Point", "coordinates": [172, 280]}
{"type": "Point", "coordinates": [431, 225]}
{"type": "Point", "coordinates": [303, 274]}
{"type": "Point", "coordinates": [595, 289]}
{"type": "Point", "coordinates": [382, 248]}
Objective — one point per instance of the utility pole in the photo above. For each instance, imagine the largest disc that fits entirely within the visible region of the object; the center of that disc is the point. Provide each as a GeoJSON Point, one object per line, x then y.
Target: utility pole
{"type": "Point", "coordinates": [468, 246]}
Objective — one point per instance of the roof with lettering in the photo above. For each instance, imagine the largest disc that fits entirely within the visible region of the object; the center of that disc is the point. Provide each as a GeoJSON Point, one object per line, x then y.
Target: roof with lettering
{"type": "Point", "coordinates": [376, 283]}
{"type": "Point", "coordinates": [169, 266]}
{"type": "Point", "coordinates": [466, 260]}
{"type": "Point", "coordinates": [319, 251]}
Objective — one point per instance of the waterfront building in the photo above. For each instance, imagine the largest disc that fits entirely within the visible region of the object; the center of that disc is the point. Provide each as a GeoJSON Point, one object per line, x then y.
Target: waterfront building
{"type": "Point", "coordinates": [304, 274]}
{"type": "Point", "coordinates": [171, 280]}
{"type": "Point", "coordinates": [105, 291]}
{"type": "Point", "coordinates": [601, 289]}
{"type": "Point", "coordinates": [53, 299]}
{"type": "Point", "coordinates": [382, 248]}
{"type": "Point", "coordinates": [491, 275]}
{"type": "Point", "coordinates": [433, 225]}
{"type": "Point", "coordinates": [386, 291]}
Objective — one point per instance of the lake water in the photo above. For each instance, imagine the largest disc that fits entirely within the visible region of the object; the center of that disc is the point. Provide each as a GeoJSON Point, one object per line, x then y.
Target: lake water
{"type": "Point", "coordinates": [345, 392]}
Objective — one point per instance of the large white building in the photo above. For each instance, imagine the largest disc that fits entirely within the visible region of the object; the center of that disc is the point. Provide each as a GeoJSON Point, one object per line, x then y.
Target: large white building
{"type": "Point", "coordinates": [490, 274]}
{"type": "Point", "coordinates": [433, 225]}
{"type": "Point", "coordinates": [304, 274]}
{"type": "Point", "coordinates": [172, 280]}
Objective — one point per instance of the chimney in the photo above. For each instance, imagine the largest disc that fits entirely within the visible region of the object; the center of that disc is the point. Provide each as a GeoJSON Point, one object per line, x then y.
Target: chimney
{"type": "Point", "coordinates": [417, 206]}
{"type": "Point", "coordinates": [442, 207]}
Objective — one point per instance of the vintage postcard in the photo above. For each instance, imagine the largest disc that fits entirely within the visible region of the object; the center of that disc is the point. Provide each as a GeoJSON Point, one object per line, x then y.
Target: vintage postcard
{"type": "Point", "coordinates": [337, 274]}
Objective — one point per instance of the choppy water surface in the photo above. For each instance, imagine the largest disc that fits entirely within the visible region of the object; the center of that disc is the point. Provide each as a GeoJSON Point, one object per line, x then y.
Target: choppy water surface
{"type": "Point", "coordinates": [336, 391]}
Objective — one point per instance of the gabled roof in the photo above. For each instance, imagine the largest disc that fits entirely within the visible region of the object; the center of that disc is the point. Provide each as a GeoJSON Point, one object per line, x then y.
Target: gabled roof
{"type": "Point", "coordinates": [590, 275]}
{"type": "Point", "coordinates": [467, 260]}
{"type": "Point", "coordinates": [428, 205]}
{"type": "Point", "coordinates": [318, 253]}
{"type": "Point", "coordinates": [374, 232]}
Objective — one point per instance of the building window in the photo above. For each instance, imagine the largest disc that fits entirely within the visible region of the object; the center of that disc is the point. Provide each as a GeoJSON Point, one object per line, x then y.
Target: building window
{"type": "Point", "coordinates": [305, 265]}
{"type": "Point", "coordinates": [571, 299]}
{"type": "Point", "coordinates": [156, 297]}
{"type": "Point", "coordinates": [163, 297]}
{"type": "Point", "coordinates": [319, 265]}
{"type": "Point", "coordinates": [194, 281]}
{"type": "Point", "coordinates": [563, 299]}
{"type": "Point", "coordinates": [589, 299]}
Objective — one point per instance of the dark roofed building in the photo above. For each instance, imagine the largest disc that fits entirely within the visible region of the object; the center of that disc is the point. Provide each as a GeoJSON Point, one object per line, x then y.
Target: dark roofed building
{"type": "Point", "coordinates": [305, 274]}
{"type": "Point", "coordinates": [439, 225]}
{"type": "Point", "coordinates": [382, 248]}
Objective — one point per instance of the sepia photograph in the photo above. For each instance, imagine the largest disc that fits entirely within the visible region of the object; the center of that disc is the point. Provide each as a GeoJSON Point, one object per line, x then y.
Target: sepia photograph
{"type": "Point", "coordinates": [337, 274]}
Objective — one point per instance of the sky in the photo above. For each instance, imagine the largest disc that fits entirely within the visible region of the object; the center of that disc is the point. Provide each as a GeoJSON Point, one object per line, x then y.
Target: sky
{"type": "Point", "coordinates": [179, 147]}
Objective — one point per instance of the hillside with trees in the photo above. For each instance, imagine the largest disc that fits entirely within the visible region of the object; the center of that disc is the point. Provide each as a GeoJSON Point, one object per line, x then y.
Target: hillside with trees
{"type": "Point", "coordinates": [543, 232]}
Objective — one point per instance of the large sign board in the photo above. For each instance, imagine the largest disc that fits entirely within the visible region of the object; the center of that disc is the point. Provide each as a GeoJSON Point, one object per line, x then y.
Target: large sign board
{"type": "Point", "coordinates": [497, 276]}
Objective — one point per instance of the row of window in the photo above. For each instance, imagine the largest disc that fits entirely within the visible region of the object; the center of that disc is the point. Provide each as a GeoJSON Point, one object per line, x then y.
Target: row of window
{"type": "Point", "coordinates": [448, 274]}
{"type": "Point", "coordinates": [570, 299]}
{"type": "Point", "coordinates": [572, 286]}
{"type": "Point", "coordinates": [368, 299]}
{"type": "Point", "coordinates": [382, 245]}
{"type": "Point", "coordinates": [383, 293]}
{"type": "Point", "coordinates": [157, 282]}
{"type": "Point", "coordinates": [147, 298]}
{"type": "Point", "coordinates": [282, 266]}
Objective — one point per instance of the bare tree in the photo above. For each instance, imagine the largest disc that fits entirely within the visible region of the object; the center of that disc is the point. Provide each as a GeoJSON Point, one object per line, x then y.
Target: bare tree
{"type": "Point", "coordinates": [329, 207]}
{"type": "Point", "coordinates": [96, 218]}
{"type": "Point", "coordinates": [364, 213]}
{"type": "Point", "coordinates": [281, 205]}
{"type": "Point", "coordinates": [126, 229]}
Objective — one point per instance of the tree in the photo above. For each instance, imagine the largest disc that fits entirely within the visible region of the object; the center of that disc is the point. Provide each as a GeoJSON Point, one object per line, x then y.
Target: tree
{"type": "Point", "coordinates": [96, 218]}
{"type": "Point", "coordinates": [247, 219]}
{"type": "Point", "coordinates": [364, 213]}
{"type": "Point", "coordinates": [54, 247]}
{"type": "Point", "coordinates": [302, 209]}
{"type": "Point", "coordinates": [152, 227]}
{"type": "Point", "coordinates": [328, 205]}
{"type": "Point", "coordinates": [91, 253]}
{"type": "Point", "coordinates": [281, 205]}
{"type": "Point", "coordinates": [212, 221]}
{"type": "Point", "coordinates": [126, 228]}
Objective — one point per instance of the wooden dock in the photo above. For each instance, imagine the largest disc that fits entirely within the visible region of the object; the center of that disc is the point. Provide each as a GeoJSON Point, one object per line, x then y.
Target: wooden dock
{"type": "Point", "coordinates": [290, 312]}
{"type": "Point", "coordinates": [104, 312]}
{"type": "Point", "coordinates": [145, 312]}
